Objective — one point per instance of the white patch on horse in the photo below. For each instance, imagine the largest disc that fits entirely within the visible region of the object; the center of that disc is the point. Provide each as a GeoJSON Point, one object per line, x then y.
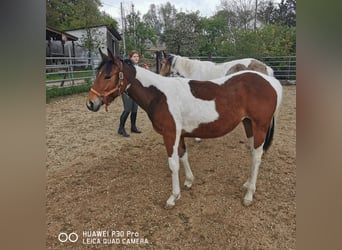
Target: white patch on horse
{"type": "Point", "coordinates": [206, 70]}
{"type": "Point", "coordinates": [187, 110]}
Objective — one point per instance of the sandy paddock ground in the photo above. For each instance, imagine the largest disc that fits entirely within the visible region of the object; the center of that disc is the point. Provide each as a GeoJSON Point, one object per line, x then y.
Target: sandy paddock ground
{"type": "Point", "coordinates": [98, 180]}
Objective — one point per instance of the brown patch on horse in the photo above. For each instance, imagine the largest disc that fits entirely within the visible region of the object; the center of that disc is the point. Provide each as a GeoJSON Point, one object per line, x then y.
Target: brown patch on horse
{"type": "Point", "coordinates": [236, 68]}
{"type": "Point", "coordinates": [154, 102]}
{"type": "Point", "coordinates": [257, 66]}
{"type": "Point", "coordinates": [240, 97]}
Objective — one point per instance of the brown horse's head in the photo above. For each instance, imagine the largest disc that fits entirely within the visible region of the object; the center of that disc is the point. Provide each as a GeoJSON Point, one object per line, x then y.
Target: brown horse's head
{"type": "Point", "coordinates": [110, 81]}
{"type": "Point", "coordinates": [166, 64]}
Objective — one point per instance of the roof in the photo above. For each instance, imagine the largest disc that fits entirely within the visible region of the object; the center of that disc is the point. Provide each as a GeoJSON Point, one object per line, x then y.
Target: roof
{"type": "Point", "coordinates": [58, 35]}
{"type": "Point", "coordinates": [114, 32]}
{"type": "Point", "coordinates": [110, 28]}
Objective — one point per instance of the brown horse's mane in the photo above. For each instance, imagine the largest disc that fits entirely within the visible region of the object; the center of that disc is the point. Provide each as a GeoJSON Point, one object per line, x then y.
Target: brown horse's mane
{"type": "Point", "coordinates": [108, 62]}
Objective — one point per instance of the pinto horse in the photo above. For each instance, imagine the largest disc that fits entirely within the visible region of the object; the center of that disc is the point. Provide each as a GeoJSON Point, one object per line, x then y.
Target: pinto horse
{"type": "Point", "coordinates": [179, 108]}
{"type": "Point", "coordinates": [206, 70]}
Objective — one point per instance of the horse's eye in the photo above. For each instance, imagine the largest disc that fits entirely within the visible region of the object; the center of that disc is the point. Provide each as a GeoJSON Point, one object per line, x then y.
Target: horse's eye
{"type": "Point", "coordinates": [107, 77]}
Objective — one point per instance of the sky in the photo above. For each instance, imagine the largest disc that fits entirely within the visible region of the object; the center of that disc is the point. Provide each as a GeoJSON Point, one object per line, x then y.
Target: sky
{"type": "Point", "coordinates": [206, 7]}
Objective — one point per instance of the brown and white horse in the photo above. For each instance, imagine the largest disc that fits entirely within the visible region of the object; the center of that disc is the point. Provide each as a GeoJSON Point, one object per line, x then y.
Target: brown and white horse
{"type": "Point", "coordinates": [174, 65]}
{"type": "Point", "coordinates": [179, 108]}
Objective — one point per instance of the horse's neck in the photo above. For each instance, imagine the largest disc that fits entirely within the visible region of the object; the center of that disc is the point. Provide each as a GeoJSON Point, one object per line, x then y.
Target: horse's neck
{"type": "Point", "coordinates": [195, 69]}
{"type": "Point", "coordinates": [184, 66]}
{"type": "Point", "coordinates": [139, 94]}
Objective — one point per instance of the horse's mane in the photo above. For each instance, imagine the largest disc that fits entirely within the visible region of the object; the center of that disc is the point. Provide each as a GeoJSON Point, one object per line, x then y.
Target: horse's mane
{"type": "Point", "coordinates": [108, 62]}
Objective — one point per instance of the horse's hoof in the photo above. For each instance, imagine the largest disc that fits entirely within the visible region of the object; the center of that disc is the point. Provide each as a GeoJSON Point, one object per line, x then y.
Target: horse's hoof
{"type": "Point", "coordinates": [169, 206]}
{"type": "Point", "coordinates": [247, 203]}
{"type": "Point", "coordinates": [171, 202]}
{"type": "Point", "coordinates": [187, 185]}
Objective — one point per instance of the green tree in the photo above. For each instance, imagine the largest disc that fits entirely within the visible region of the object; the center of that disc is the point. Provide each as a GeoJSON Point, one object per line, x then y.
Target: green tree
{"type": "Point", "coordinates": [286, 12]}
{"type": "Point", "coordinates": [183, 36]}
{"type": "Point", "coordinates": [138, 33]}
{"type": "Point", "coordinates": [59, 13]}
{"type": "Point", "coordinates": [75, 14]}
{"type": "Point", "coordinates": [267, 12]}
{"type": "Point", "coordinates": [152, 19]}
{"type": "Point", "coordinates": [277, 40]}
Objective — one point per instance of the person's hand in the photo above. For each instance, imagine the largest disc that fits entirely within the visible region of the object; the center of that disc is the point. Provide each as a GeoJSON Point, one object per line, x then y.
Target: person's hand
{"type": "Point", "coordinates": [146, 66]}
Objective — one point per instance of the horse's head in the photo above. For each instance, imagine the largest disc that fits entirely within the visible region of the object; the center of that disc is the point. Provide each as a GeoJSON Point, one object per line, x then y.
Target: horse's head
{"type": "Point", "coordinates": [110, 81]}
{"type": "Point", "coordinates": [166, 69]}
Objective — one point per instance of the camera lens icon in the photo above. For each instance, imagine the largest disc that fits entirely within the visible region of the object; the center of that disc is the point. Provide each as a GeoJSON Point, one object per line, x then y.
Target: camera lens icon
{"type": "Point", "coordinates": [64, 237]}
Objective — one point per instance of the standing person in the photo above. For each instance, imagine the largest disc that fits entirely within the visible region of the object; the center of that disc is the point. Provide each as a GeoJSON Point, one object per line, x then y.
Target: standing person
{"type": "Point", "coordinates": [130, 107]}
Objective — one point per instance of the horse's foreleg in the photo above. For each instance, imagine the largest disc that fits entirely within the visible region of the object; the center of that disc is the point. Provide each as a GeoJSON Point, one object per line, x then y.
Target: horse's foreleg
{"type": "Point", "coordinates": [251, 182]}
{"type": "Point", "coordinates": [174, 167]}
{"type": "Point", "coordinates": [189, 178]}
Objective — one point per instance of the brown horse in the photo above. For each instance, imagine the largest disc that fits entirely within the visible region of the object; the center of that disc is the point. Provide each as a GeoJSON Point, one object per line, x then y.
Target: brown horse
{"type": "Point", "coordinates": [179, 108]}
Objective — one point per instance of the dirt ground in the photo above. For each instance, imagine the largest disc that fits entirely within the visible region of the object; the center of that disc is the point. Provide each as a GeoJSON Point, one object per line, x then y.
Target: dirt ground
{"type": "Point", "coordinates": [100, 181]}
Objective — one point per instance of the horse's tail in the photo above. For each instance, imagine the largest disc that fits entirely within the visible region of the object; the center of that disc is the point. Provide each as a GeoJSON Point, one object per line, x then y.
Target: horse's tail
{"type": "Point", "coordinates": [269, 136]}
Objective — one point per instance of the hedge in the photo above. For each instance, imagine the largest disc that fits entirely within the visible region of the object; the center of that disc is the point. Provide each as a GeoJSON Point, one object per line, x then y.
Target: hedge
{"type": "Point", "coordinates": [70, 90]}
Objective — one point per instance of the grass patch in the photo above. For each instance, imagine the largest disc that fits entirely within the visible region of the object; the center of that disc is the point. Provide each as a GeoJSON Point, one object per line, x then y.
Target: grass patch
{"type": "Point", "coordinates": [70, 90]}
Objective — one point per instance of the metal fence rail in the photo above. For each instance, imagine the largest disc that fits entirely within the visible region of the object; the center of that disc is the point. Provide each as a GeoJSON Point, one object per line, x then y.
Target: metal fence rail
{"type": "Point", "coordinates": [69, 71]}
{"type": "Point", "coordinates": [284, 67]}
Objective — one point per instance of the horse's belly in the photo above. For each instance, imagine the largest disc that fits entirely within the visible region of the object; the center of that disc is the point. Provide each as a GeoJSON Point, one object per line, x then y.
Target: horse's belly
{"type": "Point", "coordinates": [211, 130]}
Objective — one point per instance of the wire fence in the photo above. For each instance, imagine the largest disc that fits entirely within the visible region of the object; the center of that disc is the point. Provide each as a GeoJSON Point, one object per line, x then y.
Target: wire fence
{"type": "Point", "coordinates": [284, 67]}
{"type": "Point", "coordinates": [70, 71]}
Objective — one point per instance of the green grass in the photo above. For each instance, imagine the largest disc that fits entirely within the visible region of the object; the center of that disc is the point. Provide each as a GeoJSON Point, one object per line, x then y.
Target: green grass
{"type": "Point", "coordinates": [58, 91]}
{"type": "Point", "coordinates": [60, 76]}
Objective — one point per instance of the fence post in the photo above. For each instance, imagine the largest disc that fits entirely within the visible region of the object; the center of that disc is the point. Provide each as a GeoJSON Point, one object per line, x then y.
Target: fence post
{"type": "Point", "coordinates": [158, 58]}
{"type": "Point", "coordinates": [92, 67]}
{"type": "Point", "coordinates": [71, 67]}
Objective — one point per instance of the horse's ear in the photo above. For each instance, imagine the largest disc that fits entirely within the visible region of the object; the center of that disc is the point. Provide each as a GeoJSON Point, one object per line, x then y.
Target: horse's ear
{"type": "Point", "coordinates": [164, 54]}
{"type": "Point", "coordinates": [110, 54]}
{"type": "Point", "coordinates": [103, 56]}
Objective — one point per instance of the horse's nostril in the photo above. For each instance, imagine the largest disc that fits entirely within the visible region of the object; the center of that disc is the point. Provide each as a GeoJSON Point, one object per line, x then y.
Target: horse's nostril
{"type": "Point", "coordinates": [90, 105]}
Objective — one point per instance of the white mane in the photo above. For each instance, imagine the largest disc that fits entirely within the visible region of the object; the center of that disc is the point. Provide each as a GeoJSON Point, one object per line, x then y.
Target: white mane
{"type": "Point", "coordinates": [206, 70]}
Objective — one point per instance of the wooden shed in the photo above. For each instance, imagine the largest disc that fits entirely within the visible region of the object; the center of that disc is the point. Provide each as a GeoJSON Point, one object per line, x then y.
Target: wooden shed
{"type": "Point", "coordinates": [56, 40]}
{"type": "Point", "coordinates": [105, 36]}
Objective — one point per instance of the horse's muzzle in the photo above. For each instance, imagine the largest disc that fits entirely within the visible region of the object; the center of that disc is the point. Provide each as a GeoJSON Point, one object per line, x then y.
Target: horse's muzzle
{"type": "Point", "coordinates": [94, 105]}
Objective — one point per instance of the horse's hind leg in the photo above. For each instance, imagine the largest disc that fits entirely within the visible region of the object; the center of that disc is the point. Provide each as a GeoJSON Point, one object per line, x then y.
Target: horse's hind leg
{"type": "Point", "coordinates": [250, 184]}
{"type": "Point", "coordinates": [247, 124]}
{"type": "Point", "coordinates": [183, 154]}
{"type": "Point", "coordinates": [257, 151]}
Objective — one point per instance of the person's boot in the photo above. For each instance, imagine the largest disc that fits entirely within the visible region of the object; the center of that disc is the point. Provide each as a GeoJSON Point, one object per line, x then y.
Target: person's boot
{"type": "Point", "coordinates": [123, 119]}
{"type": "Point", "coordinates": [134, 128]}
